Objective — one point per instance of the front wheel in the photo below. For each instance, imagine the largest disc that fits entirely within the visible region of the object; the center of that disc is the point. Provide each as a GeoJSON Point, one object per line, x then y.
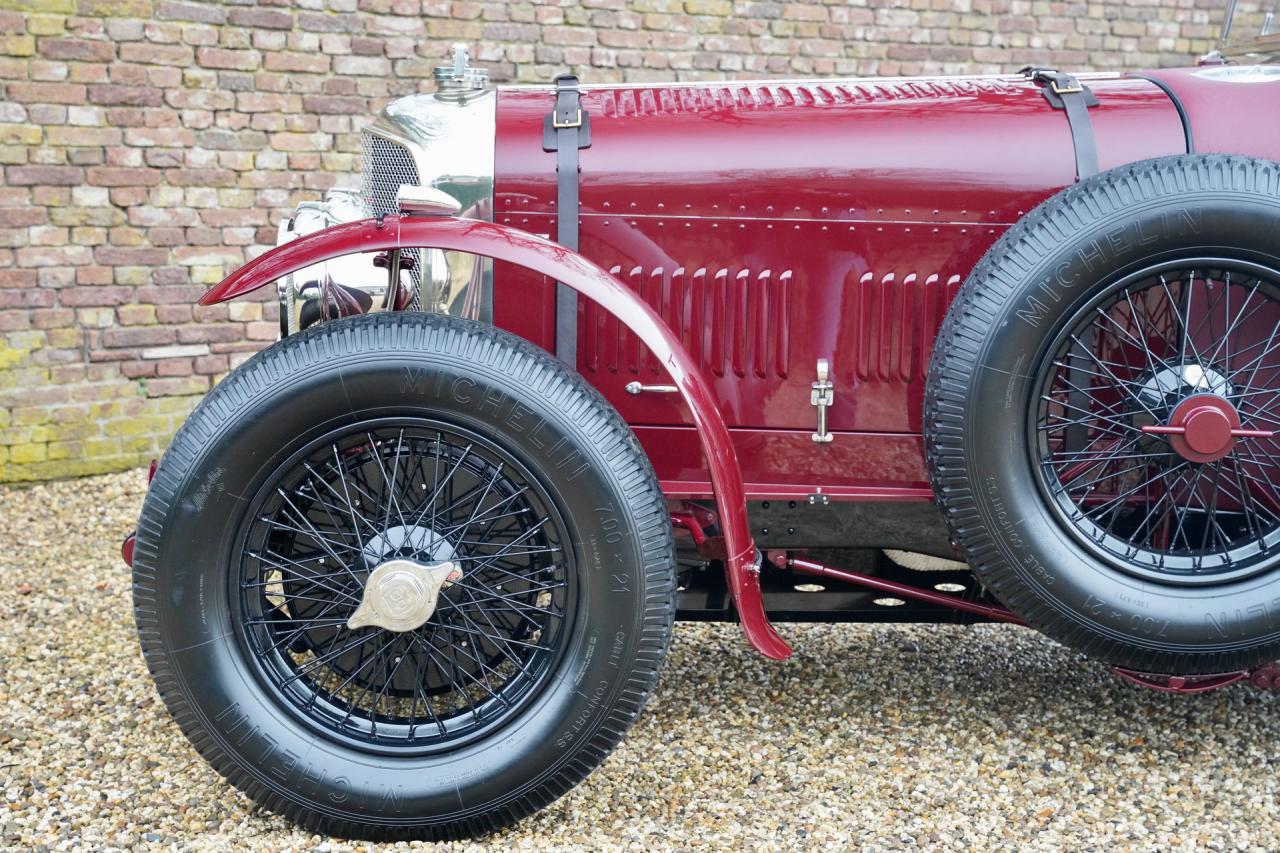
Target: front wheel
{"type": "Point", "coordinates": [404, 576]}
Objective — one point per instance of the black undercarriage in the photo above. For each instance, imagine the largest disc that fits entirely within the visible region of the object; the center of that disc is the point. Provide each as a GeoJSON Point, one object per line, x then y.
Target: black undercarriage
{"type": "Point", "coordinates": [853, 536]}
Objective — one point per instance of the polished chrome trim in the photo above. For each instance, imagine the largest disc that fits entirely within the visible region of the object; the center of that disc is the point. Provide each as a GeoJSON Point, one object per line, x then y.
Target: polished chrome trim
{"type": "Point", "coordinates": [426, 201]}
{"type": "Point", "coordinates": [800, 81]}
{"type": "Point", "coordinates": [640, 388]}
{"type": "Point", "coordinates": [1226, 24]}
{"type": "Point", "coordinates": [451, 141]}
{"type": "Point", "coordinates": [1241, 73]}
{"type": "Point", "coordinates": [311, 289]}
{"type": "Point", "coordinates": [459, 81]}
{"type": "Point", "coordinates": [1260, 46]}
{"type": "Point", "coordinates": [822, 397]}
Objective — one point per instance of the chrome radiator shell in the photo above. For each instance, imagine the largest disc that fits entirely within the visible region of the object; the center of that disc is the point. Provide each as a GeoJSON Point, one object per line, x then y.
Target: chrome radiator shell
{"type": "Point", "coordinates": [445, 141]}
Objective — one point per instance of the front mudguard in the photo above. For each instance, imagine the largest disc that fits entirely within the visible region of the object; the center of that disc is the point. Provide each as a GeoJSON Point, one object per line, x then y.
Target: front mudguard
{"type": "Point", "coordinates": [523, 249]}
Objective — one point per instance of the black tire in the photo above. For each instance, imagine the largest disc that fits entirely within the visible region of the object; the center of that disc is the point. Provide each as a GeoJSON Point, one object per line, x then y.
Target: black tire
{"type": "Point", "coordinates": [988, 412]}
{"type": "Point", "coordinates": [510, 399]}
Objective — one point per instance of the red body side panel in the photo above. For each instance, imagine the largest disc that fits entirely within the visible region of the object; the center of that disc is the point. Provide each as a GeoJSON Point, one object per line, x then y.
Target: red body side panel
{"type": "Point", "coordinates": [1227, 116]}
{"type": "Point", "coordinates": [787, 464]}
{"type": "Point", "coordinates": [773, 225]}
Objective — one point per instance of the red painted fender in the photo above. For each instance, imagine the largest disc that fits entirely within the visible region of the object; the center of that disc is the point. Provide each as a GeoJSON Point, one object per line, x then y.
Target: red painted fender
{"type": "Point", "coordinates": [555, 261]}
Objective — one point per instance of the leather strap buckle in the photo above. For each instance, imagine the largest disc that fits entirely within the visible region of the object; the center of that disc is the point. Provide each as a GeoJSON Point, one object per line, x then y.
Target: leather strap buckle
{"type": "Point", "coordinates": [1059, 82]}
{"type": "Point", "coordinates": [566, 114]}
{"type": "Point", "coordinates": [566, 130]}
{"type": "Point", "coordinates": [576, 121]}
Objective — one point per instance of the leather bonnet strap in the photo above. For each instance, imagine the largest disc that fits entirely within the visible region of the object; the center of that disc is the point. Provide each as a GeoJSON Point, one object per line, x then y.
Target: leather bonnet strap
{"type": "Point", "coordinates": [566, 130]}
{"type": "Point", "coordinates": [1065, 92]}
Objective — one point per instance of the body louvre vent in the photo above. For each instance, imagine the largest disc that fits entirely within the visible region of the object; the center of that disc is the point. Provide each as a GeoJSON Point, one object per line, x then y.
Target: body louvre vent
{"type": "Point", "coordinates": [637, 102]}
{"type": "Point", "coordinates": [896, 321]}
{"type": "Point", "coordinates": [731, 322]}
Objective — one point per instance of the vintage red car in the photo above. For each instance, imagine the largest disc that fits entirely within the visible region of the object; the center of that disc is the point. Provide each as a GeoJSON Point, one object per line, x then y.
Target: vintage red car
{"type": "Point", "coordinates": [578, 361]}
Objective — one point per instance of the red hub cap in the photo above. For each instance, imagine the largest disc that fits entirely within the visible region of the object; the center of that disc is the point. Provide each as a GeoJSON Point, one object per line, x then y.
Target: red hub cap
{"type": "Point", "coordinates": [1204, 428]}
{"type": "Point", "coordinates": [1207, 424]}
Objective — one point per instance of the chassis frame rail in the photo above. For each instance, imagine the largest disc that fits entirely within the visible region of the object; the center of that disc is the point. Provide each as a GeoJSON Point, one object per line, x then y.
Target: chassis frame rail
{"type": "Point", "coordinates": [1266, 676]}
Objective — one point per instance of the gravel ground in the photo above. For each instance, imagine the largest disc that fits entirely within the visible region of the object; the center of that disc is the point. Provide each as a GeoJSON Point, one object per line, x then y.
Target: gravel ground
{"type": "Point", "coordinates": [874, 736]}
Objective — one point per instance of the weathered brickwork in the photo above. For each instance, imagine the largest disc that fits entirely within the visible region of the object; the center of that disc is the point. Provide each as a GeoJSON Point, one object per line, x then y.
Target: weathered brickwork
{"type": "Point", "coordinates": [148, 146]}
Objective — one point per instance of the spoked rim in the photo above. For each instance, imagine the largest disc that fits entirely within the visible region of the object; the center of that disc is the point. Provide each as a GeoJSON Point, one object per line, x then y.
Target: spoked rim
{"type": "Point", "coordinates": [1155, 422]}
{"type": "Point", "coordinates": [489, 560]}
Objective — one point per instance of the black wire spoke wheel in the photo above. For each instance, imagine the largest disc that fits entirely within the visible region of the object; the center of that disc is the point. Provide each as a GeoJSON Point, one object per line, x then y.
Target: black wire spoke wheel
{"type": "Point", "coordinates": [1155, 420]}
{"type": "Point", "coordinates": [396, 493]}
{"type": "Point", "coordinates": [1101, 416]}
{"type": "Point", "coordinates": [404, 576]}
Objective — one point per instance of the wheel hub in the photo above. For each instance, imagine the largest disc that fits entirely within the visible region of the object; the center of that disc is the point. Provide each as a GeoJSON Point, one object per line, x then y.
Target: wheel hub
{"type": "Point", "coordinates": [1208, 423]}
{"type": "Point", "coordinates": [405, 540]}
{"type": "Point", "coordinates": [401, 595]}
{"type": "Point", "coordinates": [1204, 428]}
{"type": "Point", "coordinates": [1164, 389]}
{"type": "Point", "coordinates": [405, 585]}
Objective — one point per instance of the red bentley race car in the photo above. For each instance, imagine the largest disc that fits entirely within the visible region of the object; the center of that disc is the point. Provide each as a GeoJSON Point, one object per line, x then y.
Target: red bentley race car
{"type": "Point", "coordinates": [578, 361]}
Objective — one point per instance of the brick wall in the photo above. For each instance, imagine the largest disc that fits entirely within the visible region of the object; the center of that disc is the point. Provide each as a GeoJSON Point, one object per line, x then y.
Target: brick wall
{"type": "Point", "coordinates": [148, 146]}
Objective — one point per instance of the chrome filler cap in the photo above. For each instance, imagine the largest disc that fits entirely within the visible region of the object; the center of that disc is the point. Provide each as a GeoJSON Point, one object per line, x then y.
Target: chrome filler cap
{"type": "Point", "coordinates": [459, 80]}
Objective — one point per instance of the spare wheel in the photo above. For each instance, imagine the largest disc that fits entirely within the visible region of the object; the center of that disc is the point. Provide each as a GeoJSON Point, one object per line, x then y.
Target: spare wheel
{"type": "Point", "coordinates": [1102, 414]}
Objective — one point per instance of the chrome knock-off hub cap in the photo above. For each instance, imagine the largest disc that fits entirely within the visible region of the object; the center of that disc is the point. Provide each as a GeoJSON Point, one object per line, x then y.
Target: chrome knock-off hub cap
{"type": "Point", "coordinates": [401, 595]}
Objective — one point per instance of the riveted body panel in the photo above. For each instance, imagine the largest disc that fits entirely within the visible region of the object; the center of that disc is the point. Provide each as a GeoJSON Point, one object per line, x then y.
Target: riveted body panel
{"type": "Point", "coordinates": [766, 267]}
{"type": "Point", "coordinates": [775, 224]}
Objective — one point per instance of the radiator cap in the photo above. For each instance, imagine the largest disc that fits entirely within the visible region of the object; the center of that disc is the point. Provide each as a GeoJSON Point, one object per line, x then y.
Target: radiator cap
{"type": "Point", "coordinates": [459, 80]}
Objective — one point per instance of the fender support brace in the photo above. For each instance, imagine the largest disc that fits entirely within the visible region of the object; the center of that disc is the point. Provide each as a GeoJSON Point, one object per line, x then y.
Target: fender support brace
{"type": "Point", "coordinates": [500, 242]}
